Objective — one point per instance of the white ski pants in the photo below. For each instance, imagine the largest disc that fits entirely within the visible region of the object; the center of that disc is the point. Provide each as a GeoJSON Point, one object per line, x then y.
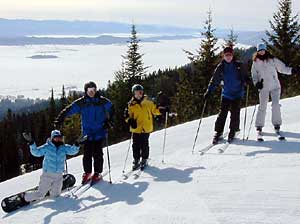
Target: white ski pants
{"type": "Point", "coordinates": [262, 109]}
{"type": "Point", "coordinates": [51, 182]}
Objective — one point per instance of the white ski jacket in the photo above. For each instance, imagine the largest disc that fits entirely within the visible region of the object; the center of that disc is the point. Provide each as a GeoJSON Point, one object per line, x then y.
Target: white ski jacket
{"type": "Point", "coordinates": [267, 70]}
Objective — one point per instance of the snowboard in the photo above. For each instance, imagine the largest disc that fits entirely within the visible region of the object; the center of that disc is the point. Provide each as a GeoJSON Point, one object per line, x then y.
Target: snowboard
{"type": "Point", "coordinates": [14, 202]}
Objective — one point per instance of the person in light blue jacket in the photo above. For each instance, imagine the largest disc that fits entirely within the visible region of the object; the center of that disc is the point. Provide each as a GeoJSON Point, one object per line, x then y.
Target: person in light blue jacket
{"type": "Point", "coordinates": [54, 152]}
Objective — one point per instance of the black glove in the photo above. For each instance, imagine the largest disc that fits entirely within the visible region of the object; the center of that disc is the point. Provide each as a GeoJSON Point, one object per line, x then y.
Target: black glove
{"type": "Point", "coordinates": [260, 85]}
{"type": "Point", "coordinates": [28, 138]}
{"type": "Point", "coordinates": [296, 70]}
{"type": "Point", "coordinates": [80, 140]}
{"type": "Point", "coordinates": [108, 124]}
{"type": "Point", "coordinates": [206, 95]}
{"type": "Point", "coordinates": [132, 122]}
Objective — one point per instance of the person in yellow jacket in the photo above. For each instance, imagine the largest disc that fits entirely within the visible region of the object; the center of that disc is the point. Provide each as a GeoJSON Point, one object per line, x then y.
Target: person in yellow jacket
{"type": "Point", "coordinates": [139, 116]}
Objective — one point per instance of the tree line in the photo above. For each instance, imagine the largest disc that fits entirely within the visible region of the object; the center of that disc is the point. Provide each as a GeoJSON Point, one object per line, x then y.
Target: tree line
{"type": "Point", "coordinates": [184, 85]}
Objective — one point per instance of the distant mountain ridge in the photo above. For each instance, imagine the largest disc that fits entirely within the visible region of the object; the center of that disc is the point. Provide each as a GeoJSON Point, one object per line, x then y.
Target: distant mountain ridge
{"type": "Point", "coordinates": [18, 32]}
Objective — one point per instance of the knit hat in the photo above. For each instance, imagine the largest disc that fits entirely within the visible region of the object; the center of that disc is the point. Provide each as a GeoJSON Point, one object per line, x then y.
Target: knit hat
{"type": "Point", "coordinates": [55, 133]}
{"type": "Point", "coordinates": [261, 47]}
{"type": "Point", "coordinates": [228, 50]}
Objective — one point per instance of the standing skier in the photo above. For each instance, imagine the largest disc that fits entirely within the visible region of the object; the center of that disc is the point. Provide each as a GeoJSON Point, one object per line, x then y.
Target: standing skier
{"type": "Point", "coordinates": [265, 77]}
{"type": "Point", "coordinates": [54, 152]}
{"type": "Point", "coordinates": [139, 115]}
{"type": "Point", "coordinates": [96, 113]}
{"type": "Point", "coordinates": [235, 77]}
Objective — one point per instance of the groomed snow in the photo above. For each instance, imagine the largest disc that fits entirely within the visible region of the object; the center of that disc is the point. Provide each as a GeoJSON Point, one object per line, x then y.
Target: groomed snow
{"type": "Point", "coordinates": [251, 183]}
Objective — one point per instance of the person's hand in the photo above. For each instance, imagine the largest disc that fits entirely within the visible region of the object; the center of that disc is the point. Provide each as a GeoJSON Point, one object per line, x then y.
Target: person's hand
{"type": "Point", "coordinates": [80, 140]}
{"type": "Point", "coordinates": [28, 138]}
{"type": "Point", "coordinates": [296, 70]}
{"type": "Point", "coordinates": [259, 85]}
{"type": "Point", "coordinates": [132, 122]}
{"type": "Point", "coordinates": [108, 124]}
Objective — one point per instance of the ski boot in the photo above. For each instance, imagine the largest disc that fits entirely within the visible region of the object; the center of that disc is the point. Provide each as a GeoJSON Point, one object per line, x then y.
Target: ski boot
{"type": "Point", "coordinates": [143, 164]}
{"type": "Point", "coordinates": [86, 177]}
{"type": "Point", "coordinates": [259, 134]}
{"type": "Point", "coordinates": [217, 137]}
{"type": "Point", "coordinates": [277, 128]}
{"type": "Point", "coordinates": [96, 178]}
{"type": "Point", "coordinates": [136, 164]}
{"type": "Point", "coordinates": [231, 136]}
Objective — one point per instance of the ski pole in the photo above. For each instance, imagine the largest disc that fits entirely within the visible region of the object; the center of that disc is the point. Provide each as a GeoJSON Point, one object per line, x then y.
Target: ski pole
{"type": "Point", "coordinates": [127, 153]}
{"type": "Point", "coordinates": [200, 121]}
{"type": "Point", "coordinates": [165, 136]}
{"type": "Point", "coordinates": [245, 118]}
{"type": "Point", "coordinates": [108, 159]}
{"type": "Point", "coordinates": [251, 121]}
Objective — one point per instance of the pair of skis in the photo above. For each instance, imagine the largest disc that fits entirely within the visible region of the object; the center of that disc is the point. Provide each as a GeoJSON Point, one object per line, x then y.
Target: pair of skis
{"type": "Point", "coordinates": [279, 135]}
{"type": "Point", "coordinates": [83, 187]}
{"type": "Point", "coordinates": [135, 172]}
{"type": "Point", "coordinates": [223, 144]}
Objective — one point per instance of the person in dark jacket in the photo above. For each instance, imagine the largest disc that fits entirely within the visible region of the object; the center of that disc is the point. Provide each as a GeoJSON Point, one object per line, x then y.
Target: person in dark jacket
{"type": "Point", "coordinates": [96, 114]}
{"type": "Point", "coordinates": [234, 77]}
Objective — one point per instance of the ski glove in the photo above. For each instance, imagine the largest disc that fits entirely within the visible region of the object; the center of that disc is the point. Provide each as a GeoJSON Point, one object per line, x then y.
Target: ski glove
{"type": "Point", "coordinates": [28, 138]}
{"type": "Point", "coordinates": [132, 122]}
{"type": "Point", "coordinates": [260, 85]}
{"type": "Point", "coordinates": [296, 70]}
{"type": "Point", "coordinates": [108, 124]}
{"type": "Point", "coordinates": [80, 140]}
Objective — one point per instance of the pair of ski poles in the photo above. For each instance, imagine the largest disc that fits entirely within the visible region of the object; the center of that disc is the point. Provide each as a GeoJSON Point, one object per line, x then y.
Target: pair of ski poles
{"type": "Point", "coordinates": [245, 120]}
{"type": "Point", "coordinates": [164, 143]}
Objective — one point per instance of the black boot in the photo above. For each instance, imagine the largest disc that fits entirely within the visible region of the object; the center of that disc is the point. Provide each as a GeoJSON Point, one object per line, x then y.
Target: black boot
{"type": "Point", "coordinates": [217, 137]}
{"type": "Point", "coordinates": [231, 136]}
{"type": "Point", "coordinates": [277, 128]}
{"type": "Point", "coordinates": [143, 163]}
{"type": "Point", "coordinates": [136, 164]}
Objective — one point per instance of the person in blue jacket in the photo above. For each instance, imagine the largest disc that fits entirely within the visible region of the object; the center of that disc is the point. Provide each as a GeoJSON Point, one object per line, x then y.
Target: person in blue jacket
{"type": "Point", "coordinates": [234, 77]}
{"type": "Point", "coordinates": [96, 114]}
{"type": "Point", "coordinates": [54, 152]}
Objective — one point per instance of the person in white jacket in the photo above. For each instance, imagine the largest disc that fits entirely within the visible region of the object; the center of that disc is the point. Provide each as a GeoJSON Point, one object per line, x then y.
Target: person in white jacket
{"type": "Point", "coordinates": [264, 73]}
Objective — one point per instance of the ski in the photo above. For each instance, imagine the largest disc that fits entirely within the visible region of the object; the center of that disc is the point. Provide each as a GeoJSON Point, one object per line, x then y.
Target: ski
{"type": "Point", "coordinates": [137, 174]}
{"type": "Point", "coordinates": [84, 187]}
{"type": "Point", "coordinates": [207, 148]}
{"type": "Point", "coordinates": [126, 175]}
{"type": "Point", "coordinates": [227, 143]}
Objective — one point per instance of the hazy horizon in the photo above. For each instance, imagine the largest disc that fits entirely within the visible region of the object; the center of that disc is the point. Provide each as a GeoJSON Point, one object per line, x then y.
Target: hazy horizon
{"type": "Point", "coordinates": [252, 15]}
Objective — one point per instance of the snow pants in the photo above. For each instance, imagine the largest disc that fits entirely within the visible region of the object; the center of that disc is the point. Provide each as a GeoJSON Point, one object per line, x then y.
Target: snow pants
{"type": "Point", "coordinates": [262, 109]}
{"type": "Point", "coordinates": [93, 150]}
{"type": "Point", "coordinates": [234, 106]}
{"type": "Point", "coordinates": [49, 182]}
{"type": "Point", "coordinates": [140, 145]}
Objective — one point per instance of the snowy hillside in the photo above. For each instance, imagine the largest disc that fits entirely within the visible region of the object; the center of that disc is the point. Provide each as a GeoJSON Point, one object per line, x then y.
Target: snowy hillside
{"type": "Point", "coordinates": [251, 183]}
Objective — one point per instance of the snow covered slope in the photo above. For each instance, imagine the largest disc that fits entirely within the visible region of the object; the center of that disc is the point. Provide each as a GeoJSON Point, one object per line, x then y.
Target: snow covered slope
{"type": "Point", "coordinates": [251, 183]}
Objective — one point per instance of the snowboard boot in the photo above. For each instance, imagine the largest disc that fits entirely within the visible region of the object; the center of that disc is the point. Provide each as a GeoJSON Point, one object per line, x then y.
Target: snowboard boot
{"type": "Point", "coordinates": [96, 178]}
{"type": "Point", "coordinates": [86, 177]}
{"type": "Point", "coordinates": [217, 137]}
{"type": "Point", "coordinates": [143, 164]}
{"type": "Point", "coordinates": [136, 164]}
{"type": "Point", "coordinates": [22, 198]}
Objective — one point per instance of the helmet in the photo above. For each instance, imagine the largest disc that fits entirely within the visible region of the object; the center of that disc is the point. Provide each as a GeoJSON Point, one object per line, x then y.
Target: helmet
{"type": "Point", "coordinates": [89, 85]}
{"type": "Point", "coordinates": [136, 87]}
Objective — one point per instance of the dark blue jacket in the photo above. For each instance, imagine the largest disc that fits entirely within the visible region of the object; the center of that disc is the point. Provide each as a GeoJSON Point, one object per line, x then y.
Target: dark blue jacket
{"type": "Point", "coordinates": [94, 113]}
{"type": "Point", "coordinates": [234, 76]}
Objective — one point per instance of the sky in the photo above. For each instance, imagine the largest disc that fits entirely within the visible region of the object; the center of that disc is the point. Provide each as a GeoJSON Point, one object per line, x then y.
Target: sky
{"type": "Point", "coordinates": [237, 14]}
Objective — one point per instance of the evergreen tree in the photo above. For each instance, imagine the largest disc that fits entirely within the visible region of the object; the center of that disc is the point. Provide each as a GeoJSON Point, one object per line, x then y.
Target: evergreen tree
{"type": "Point", "coordinates": [231, 40]}
{"type": "Point", "coordinates": [133, 68]}
{"type": "Point", "coordinates": [283, 41]}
